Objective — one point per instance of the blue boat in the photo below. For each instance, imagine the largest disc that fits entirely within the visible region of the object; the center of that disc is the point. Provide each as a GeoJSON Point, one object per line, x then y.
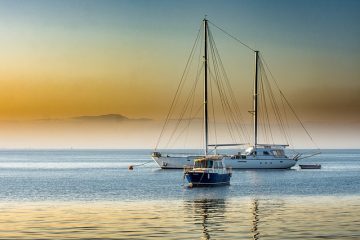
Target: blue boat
{"type": "Point", "coordinates": [208, 171]}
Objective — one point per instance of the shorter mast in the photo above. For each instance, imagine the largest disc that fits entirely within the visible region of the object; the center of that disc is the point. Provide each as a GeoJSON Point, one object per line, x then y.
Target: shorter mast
{"type": "Point", "coordinates": [206, 127]}
{"type": "Point", "coordinates": [255, 110]}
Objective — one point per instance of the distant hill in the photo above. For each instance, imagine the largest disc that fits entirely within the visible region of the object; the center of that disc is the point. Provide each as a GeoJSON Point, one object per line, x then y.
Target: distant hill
{"type": "Point", "coordinates": [109, 117]}
{"type": "Point", "coordinates": [106, 117]}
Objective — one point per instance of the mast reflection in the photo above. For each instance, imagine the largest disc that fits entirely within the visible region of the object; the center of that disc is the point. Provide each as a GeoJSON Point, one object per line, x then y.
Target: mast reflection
{"type": "Point", "coordinates": [209, 213]}
{"type": "Point", "coordinates": [255, 213]}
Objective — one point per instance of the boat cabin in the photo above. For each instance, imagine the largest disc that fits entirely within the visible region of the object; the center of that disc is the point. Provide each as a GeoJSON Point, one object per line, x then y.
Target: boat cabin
{"type": "Point", "coordinates": [265, 151]}
{"type": "Point", "coordinates": [208, 163]}
{"type": "Point", "coordinates": [213, 163]}
{"type": "Point", "coordinates": [271, 151]}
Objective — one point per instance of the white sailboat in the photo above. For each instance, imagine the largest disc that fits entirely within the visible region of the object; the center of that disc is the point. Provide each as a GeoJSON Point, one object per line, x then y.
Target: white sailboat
{"type": "Point", "coordinates": [255, 156]}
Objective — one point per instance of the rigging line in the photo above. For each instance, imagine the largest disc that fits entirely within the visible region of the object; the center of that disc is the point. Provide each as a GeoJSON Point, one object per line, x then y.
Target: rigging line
{"type": "Point", "coordinates": [287, 122]}
{"type": "Point", "coordinates": [178, 88]}
{"type": "Point", "coordinates": [187, 123]}
{"type": "Point", "coordinates": [223, 107]}
{"type": "Point", "coordinates": [236, 39]}
{"type": "Point", "coordinates": [199, 70]}
{"type": "Point", "coordinates": [187, 127]}
{"type": "Point", "coordinates": [265, 111]}
{"type": "Point", "coordinates": [222, 95]}
{"type": "Point", "coordinates": [274, 105]}
{"type": "Point", "coordinates": [232, 101]}
{"type": "Point", "coordinates": [185, 108]}
{"type": "Point", "coordinates": [220, 91]}
{"type": "Point", "coordinates": [212, 106]}
{"type": "Point", "coordinates": [269, 94]}
{"type": "Point", "coordinates": [264, 108]}
{"type": "Point", "coordinates": [238, 117]}
{"type": "Point", "coordinates": [288, 103]}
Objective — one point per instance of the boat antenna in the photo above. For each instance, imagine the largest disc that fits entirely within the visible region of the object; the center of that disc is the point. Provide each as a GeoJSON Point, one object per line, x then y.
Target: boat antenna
{"type": "Point", "coordinates": [255, 110]}
{"type": "Point", "coordinates": [206, 127]}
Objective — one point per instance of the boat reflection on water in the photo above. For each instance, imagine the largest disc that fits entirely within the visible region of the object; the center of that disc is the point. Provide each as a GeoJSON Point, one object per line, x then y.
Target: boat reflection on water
{"type": "Point", "coordinates": [209, 213]}
{"type": "Point", "coordinates": [215, 218]}
{"type": "Point", "coordinates": [255, 212]}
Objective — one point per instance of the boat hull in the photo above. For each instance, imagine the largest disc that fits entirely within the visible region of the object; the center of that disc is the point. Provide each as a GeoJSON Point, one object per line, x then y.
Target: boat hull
{"type": "Point", "coordinates": [310, 166]}
{"type": "Point", "coordinates": [165, 162]}
{"type": "Point", "coordinates": [206, 179]}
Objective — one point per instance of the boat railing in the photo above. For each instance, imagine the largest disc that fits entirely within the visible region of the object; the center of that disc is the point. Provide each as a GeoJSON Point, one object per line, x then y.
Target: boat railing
{"type": "Point", "coordinates": [187, 168]}
{"type": "Point", "coordinates": [189, 155]}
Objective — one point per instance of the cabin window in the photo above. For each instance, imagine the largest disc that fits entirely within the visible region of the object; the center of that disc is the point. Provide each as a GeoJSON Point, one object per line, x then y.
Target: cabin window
{"type": "Point", "coordinates": [237, 157]}
{"type": "Point", "coordinates": [243, 156]}
{"type": "Point", "coordinates": [254, 152]}
{"type": "Point", "coordinates": [266, 153]}
{"type": "Point", "coordinates": [278, 153]}
{"type": "Point", "coordinates": [210, 164]}
{"type": "Point", "coordinates": [201, 164]}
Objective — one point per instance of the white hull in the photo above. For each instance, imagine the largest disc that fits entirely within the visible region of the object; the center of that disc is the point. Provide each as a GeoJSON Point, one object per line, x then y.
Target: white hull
{"type": "Point", "coordinates": [261, 162]}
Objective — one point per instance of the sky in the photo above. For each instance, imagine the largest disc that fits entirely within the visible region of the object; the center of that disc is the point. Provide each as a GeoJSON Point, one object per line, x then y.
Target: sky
{"type": "Point", "coordinates": [62, 59]}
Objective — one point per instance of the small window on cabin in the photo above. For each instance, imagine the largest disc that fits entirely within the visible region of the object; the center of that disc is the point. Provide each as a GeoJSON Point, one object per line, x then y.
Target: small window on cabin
{"type": "Point", "coordinates": [275, 153]}
{"type": "Point", "coordinates": [254, 153]}
{"type": "Point", "coordinates": [243, 156]}
{"type": "Point", "coordinates": [278, 153]}
{"type": "Point", "coordinates": [266, 153]}
{"type": "Point", "coordinates": [219, 164]}
{"type": "Point", "coordinates": [237, 157]}
{"type": "Point", "coordinates": [210, 164]}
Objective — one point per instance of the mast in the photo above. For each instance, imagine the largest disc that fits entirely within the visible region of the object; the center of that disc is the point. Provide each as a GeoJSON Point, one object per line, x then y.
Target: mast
{"type": "Point", "coordinates": [256, 97]}
{"type": "Point", "coordinates": [206, 127]}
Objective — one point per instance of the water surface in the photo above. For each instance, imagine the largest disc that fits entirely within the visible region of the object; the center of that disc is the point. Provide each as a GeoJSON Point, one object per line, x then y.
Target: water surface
{"type": "Point", "coordinates": [82, 194]}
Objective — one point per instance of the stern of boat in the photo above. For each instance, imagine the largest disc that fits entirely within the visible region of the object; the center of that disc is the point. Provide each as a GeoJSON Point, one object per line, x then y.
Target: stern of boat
{"type": "Point", "coordinates": [166, 161]}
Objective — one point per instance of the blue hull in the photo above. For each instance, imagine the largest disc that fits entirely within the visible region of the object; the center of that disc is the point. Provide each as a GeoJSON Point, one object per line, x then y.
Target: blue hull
{"type": "Point", "coordinates": [200, 179]}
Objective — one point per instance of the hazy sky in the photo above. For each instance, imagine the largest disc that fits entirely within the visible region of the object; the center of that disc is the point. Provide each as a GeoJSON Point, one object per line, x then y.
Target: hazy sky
{"type": "Point", "coordinates": [69, 58]}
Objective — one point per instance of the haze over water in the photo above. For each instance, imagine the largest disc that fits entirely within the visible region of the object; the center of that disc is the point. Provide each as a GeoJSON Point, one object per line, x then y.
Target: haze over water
{"type": "Point", "coordinates": [90, 194]}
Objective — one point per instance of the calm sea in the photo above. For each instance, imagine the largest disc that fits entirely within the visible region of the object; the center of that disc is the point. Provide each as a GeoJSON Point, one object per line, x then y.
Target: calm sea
{"type": "Point", "coordinates": [91, 194]}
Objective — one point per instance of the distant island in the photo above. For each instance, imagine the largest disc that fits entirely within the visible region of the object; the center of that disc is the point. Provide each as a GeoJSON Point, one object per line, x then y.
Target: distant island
{"type": "Point", "coordinates": [113, 117]}
{"type": "Point", "coordinates": [109, 117]}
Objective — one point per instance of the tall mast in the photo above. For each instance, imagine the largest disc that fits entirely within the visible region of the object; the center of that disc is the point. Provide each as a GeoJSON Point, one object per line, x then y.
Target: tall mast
{"type": "Point", "coordinates": [205, 87]}
{"type": "Point", "coordinates": [256, 97]}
